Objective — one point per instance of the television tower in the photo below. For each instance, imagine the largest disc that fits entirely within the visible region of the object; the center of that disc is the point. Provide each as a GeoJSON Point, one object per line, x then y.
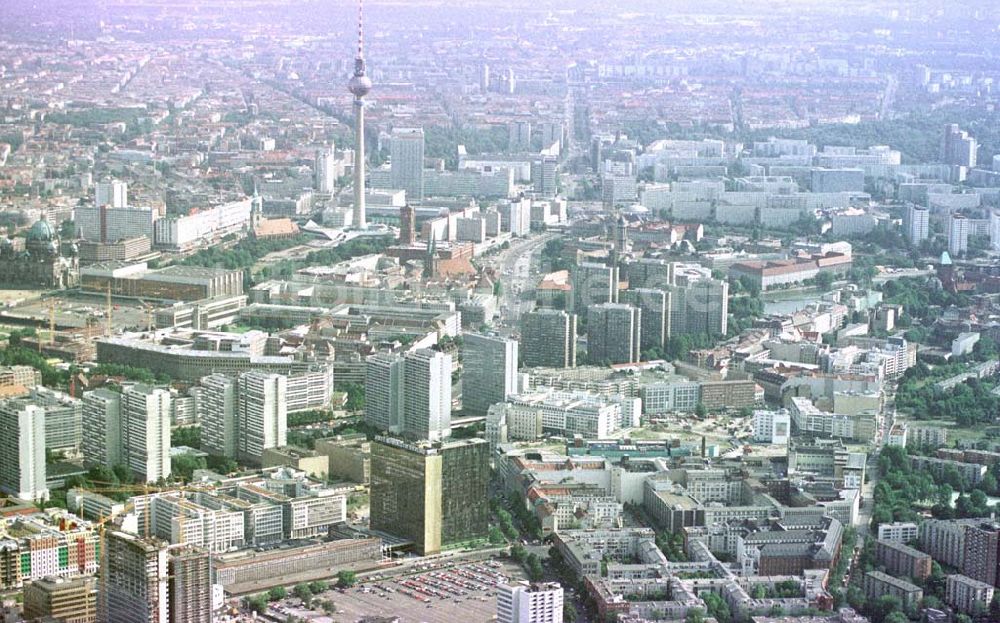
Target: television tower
{"type": "Point", "coordinates": [360, 84]}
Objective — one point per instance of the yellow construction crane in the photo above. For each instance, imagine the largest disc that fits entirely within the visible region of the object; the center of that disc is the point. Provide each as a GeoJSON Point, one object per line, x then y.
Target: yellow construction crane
{"type": "Point", "coordinates": [140, 489]}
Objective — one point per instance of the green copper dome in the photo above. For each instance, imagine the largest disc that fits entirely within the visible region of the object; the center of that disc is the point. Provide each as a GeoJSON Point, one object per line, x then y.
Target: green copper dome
{"type": "Point", "coordinates": [41, 231]}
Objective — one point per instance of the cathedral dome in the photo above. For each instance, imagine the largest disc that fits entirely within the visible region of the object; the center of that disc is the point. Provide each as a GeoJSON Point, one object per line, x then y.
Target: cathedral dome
{"type": "Point", "coordinates": [41, 231]}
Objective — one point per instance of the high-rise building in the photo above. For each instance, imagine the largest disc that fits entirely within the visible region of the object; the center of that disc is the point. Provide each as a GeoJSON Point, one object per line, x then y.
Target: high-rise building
{"type": "Point", "coordinates": [958, 235]}
{"type": "Point", "coordinates": [145, 437]}
{"type": "Point", "coordinates": [384, 395]}
{"type": "Point", "coordinates": [515, 216]}
{"type": "Point", "coordinates": [73, 600]}
{"type": "Point", "coordinates": [484, 78]}
{"type": "Point", "coordinates": [359, 86]}
{"type": "Point", "coordinates": [407, 225]}
{"type": "Point", "coordinates": [134, 580]}
{"type": "Point", "coordinates": [521, 602]}
{"type": "Point", "coordinates": [544, 175]}
{"type": "Point", "coordinates": [427, 387]}
{"type": "Point", "coordinates": [325, 170]}
{"type": "Point", "coordinates": [995, 230]}
{"type": "Point", "coordinates": [111, 193]}
{"type": "Point", "coordinates": [22, 450]}
{"type": "Point", "coordinates": [217, 403]}
{"type": "Point", "coordinates": [917, 223]}
{"type": "Point", "coordinates": [967, 594]}
{"type": "Point", "coordinates": [594, 284]}
{"type": "Point", "coordinates": [489, 371]}
{"type": "Point", "coordinates": [261, 414]}
{"type": "Point", "coordinates": [979, 561]}
{"type": "Point", "coordinates": [650, 273]}
{"type": "Point", "coordinates": [110, 224]}
{"type": "Point", "coordinates": [519, 136]}
{"type": "Point", "coordinates": [552, 132]}
{"type": "Point", "coordinates": [102, 427]}
{"type": "Point", "coordinates": [699, 306]}
{"type": "Point", "coordinates": [614, 333]}
{"type": "Point", "coordinates": [434, 494]}
{"type": "Point", "coordinates": [655, 307]}
{"type": "Point", "coordinates": [406, 147]}
{"type": "Point", "coordinates": [548, 339]}
{"type": "Point", "coordinates": [190, 586]}
{"type": "Point", "coordinates": [957, 147]}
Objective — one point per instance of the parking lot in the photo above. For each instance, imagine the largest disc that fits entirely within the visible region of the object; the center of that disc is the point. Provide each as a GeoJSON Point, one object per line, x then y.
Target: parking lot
{"type": "Point", "coordinates": [464, 592]}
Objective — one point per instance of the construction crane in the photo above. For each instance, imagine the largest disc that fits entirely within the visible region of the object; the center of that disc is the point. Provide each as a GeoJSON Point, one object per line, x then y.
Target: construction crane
{"type": "Point", "coordinates": [107, 331]}
{"type": "Point", "coordinates": [52, 322]}
{"type": "Point", "coordinates": [140, 489]}
{"type": "Point", "coordinates": [148, 310]}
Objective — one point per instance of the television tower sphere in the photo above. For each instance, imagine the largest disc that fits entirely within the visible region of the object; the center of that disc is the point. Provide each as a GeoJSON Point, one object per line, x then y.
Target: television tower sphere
{"type": "Point", "coordinates": [360, 85]}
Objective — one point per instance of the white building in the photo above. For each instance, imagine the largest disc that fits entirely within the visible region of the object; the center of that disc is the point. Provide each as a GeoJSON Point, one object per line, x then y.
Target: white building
{"type": "Point", "coordinates": [108, 223]}
{"type": "Point", "coordinates": [515, 216]}
{"type": "Point", "coordinates": [669, 397]}
{"type": "Point", "coordinates": [958, 235]}
{"type": "Point", "coordinates": [203, 227]}
{"type": "Point", "coordinates": [964, 343]}
{"type": "Point", "coordinates": [102, 427]}
{"type": "Point", "coordinates": [111, 193]}
{"type": "Point", "coordinates": [522, 602]}
{"type": "Point", "coordinates": [325, 170]}
{"type": "Point", "coordinates": [772, 426]}
{"type": "Point", "coordinates": [406, 148]}
{"type": "Point", "coordinates": [898, 532]}
{"type": "Point", "coordinates": [384, 391]}
{"type": "Point", "coordinates": [489, 371]}
{"type": "Point", "coordinates": [568, 414]}
{"type": "Point", "coordinates": [145, 436]}
{"type": "Point", "coordinates": [427, 389]}
{"type": "Point", "coordinates": [217, 414]}
{"type": "Point", "coordinates": [262, 414]}
{"type": "Point", "coordinates": [917, 224]}
{"type": "Point", "coordinates": [22, 450]}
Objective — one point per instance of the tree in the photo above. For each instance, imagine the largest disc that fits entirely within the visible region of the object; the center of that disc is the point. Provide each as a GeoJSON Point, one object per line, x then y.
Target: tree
{"type": "Point", "coordinates": [518, 553]}
{"type": "Point", "coordinates": [257, 603]}
{"type": "Point", "coordinates": [883, 607]}
{"type": "Point", "coordinates": [496, 535]}
{"type": "Point", "coordinates": [700, 410]}
{"type": "Point", "coordinates": [319, 586]}
{"type": "Point", "coordinates": [534, 565]}
{"type": "Point", "coordinates": [569, 612]}
{"type": "Point", "coordinates": [277, 593]}
{"type": "Point", "coordinates": [823, 281]}
{"type": "Point", "coordinates": [717, 607]}
{"type": "Point", "coordinates": [346, 579]}
{"type": "Point", "coordinates": [355, 397]}
{"type": "Point", "coordinates": [695, 615]}
{"type": "Point", "coordinates": [896, 617]}
{"type": "Point", "coordinates": [124, 474]}
{"type": "Point", "coordinates": [303, 592]}
{"type": "Point", "coordinates": [183, 465]}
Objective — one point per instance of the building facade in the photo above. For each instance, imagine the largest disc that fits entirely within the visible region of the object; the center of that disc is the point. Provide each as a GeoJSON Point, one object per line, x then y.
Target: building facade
{"type": "Point", "coordinates": [433, 494]}
{"type": "Point", "coordinates": [614, 333]}
{"type": "Point", "coordinates": [489, 371]}
{"type": "Point", "coordinates": [548, 339]}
